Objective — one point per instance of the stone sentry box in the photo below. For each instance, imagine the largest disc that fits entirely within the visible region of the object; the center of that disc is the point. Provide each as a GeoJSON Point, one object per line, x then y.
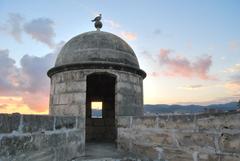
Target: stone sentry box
{"type": "Point", "coordinates": [97, 66]}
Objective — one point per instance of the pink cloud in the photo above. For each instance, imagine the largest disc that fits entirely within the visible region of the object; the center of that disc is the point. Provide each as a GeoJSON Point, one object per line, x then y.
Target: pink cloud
{"type": "Point", "coordinates": [129, 36]}
{"type": "Point", "coordinates": [28, 84]}
{"type": "Point", "coordinates": [182, 66]}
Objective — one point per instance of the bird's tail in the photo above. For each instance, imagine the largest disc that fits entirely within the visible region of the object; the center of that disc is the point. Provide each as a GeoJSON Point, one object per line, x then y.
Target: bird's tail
{"type": "Point", "coordinates": [92, 20]}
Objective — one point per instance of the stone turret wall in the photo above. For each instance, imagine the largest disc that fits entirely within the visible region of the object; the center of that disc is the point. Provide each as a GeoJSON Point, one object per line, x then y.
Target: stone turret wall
{"type": "Point", "coordinates": [203, 137]}
{"type": "Point", "coordinates": [68, 92]}
{"type": "Point", "coordinates": [41, 137]}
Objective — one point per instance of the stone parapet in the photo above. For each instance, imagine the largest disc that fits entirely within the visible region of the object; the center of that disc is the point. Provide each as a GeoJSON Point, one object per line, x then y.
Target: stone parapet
{"type": "Point", "coordinates": [202, 137]}
{"type": "Point", "coordinates": [41, 137]}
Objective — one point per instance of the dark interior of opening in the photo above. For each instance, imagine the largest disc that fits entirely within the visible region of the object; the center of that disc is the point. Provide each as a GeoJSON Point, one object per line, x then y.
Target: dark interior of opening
{"type": "Point", "coordinates": [100, 88]}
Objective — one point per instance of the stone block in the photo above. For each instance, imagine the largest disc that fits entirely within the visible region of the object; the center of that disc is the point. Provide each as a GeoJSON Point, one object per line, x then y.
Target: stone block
{"type": "Point", "coordinates": [145, 152]}
{"type": "Point", "coordinates": [82, 110]}
{"type": "Point", "coordinates": [37, 123]}
{"type": "Point", "coordinates": [9, 123]}
{"type": "Point", "coordinates": [65, 110]}
{"type": "Point", "coordinates": [57, 78]}
{"type": "Point", "coordinates": [56, 139]}
{"type": "Point", "coordinates": [127, 109]}
{"type": "Point", "coordinates": [52, 88]}
{"type": "Point", "coordinates": [144, 122]}
{"type": "Point", "coordinates": [79, 86]}
{"type": "Point", "coordinates": [77, 136]}
{"type": "Point", "coordinates": [162, 121]}
{"type": "Point", "coordinates": [196, 141]}
{"type": "Point", "coordinates": [68, 152]}
{"type": "Point", "coordinates": [78, 75]}
{"type": "Point", "coordinates": [123, 77]}
{"type": "Point", "coordinates": [40, 141]}
{"type": "Point", "coordinates": [137, 88]}
{"type": "Point", "coordinates": [78, 98]}
{"type": "Point", "coordinates": [134, 78]}
{"type": "Point", "coordinates": [81, 122]}
{"type": "Point", "coordinates": [233, 157]}
{"type": "Point", "coordinates": [181, 122]}
{"type": "Point", "coordinates": [124, 144]}
{"type": "Point", "coordinates": [218, 157]}
{"type": "Point", "coordinates": [15, 145]}
{"type": "Point", "coordinates": [43, 155]}
{"type": "Point", "coordinates": [172, 154]}
{"type": "Point", "coordinates": [59, 88]}
{"type": "Point", "coordinates": [209, 157]}
{"type": "Point", "coordinates": [231, 121]}
{"type": "Point", "coordinates": [209, 123]}
{"type": "Point", "coordinates": [68, 122]}
{"type": "Point", "coordinates": [60, 99]}
{"type": "Point", "coordinates": [69, 98]}
{"type": "Point", "coordinates": [230, 143]}
{"type": "Point", "coordinates": [154, 137]}
{"type": "Point", "coordinates": [64, 99]}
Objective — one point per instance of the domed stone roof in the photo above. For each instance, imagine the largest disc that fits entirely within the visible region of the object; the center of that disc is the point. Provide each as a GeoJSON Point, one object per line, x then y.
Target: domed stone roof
{"type": "Point", "coordinates": [97, 47]}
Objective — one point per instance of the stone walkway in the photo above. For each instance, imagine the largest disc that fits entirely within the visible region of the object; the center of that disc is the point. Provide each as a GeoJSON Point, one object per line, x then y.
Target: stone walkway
{"type": "Point", "coordinates": [104, 152]}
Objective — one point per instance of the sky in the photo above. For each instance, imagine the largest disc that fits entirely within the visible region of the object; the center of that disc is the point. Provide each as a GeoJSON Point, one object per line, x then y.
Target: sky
{"type": "Point", "coordinates": [189, 49]}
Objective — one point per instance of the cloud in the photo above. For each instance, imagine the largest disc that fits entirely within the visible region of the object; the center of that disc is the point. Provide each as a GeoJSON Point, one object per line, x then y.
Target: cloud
{"type": "Point", "coordinates": [36, 83]}
{"type": "Point", "coordinates": [13, 26]}
{"type": "Point", "coordinates": [15, 21]}
{"type": "Point", "coordinates": [234, 45]}
{"type": "Point", "coordinates": [128, 35]}
{"type": "Point", "coordinates": [181, 66]}
{"type": "Point", "coordinates": [41, 29]}
{"type": "Point", "coordinates": [112, 23]}
{"type": "Point", "coordinates": [29, 82]}
{"type": "Point", "coordinates": [3, 106]}
{"type": "Point", "coordinates": [9, 73]}
{"type": "Point", "coordinates": [234, 83]}
{"type": "Point", "coordinates": [192, 87]}
{"type": "Point", "coordinates": [35, 68]}
{"type": "Point", "coordinates": [233, 69]}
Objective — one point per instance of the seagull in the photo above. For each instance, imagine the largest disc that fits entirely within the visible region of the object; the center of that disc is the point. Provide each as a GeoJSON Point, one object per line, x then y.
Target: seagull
{"type": "Point", "coordinates": [98, 18]}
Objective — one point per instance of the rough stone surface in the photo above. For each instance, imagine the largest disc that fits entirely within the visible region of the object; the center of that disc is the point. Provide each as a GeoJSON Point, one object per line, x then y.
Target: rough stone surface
{"type": "Point", "coordinates": [66, 122]}
{"type": "Point", "coordinates": [203, 137]}
{"type": "Point", "coordinates": [9, 123]}
{"type": "Point", "coordinates": [85, 47]}
{"type": "Point", "coordinates": [33, 123]}
{"type": "Point", "coordinates": [146, 138]}
{"type": "Point", "coordinates": [41, 138]}
{"type": "Point", "coordinates": [128, 93]}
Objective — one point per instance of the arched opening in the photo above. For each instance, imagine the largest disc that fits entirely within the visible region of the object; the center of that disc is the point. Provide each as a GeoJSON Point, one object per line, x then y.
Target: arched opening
{"type": "Point", "coordinates": [100, 108]}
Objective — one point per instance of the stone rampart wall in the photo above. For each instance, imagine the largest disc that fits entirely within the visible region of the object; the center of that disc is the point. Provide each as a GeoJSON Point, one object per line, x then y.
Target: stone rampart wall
{"type": "Point", "coordinates": [40, 137]}
{"type": "Point", "coordinates": [203, 137]}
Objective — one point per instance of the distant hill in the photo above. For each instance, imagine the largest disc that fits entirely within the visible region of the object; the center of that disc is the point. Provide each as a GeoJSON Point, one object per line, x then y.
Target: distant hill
{"type": "Point", "coordinates": [164, 108]}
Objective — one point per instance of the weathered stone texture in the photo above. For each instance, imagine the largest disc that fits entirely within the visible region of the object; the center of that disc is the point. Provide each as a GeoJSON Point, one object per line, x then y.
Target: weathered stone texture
{"type": "Point", "coordinates": [9, 123]}
{"type": "Point", "coordinates": [123, 121]}
{"type": "Point", "coordinates": [68, 92]}
{"type": "Point", "coordinates": [144, 122]}
{"type": "Point", "coordinates": [41, 138]}
{"type": "Point", "coordinates": [204, 137]}
{"type": "Point", "coordinates": [230, 142]}
{"type": "Point", "coordinates": [34, 123]}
